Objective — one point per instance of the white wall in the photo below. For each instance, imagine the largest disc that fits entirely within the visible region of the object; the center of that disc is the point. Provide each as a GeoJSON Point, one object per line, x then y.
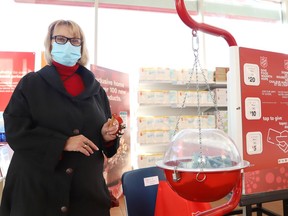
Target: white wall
{"type": "Point", "coordinates": [255, 35]}
{"type": "Point", "coordinates": [131, 39]}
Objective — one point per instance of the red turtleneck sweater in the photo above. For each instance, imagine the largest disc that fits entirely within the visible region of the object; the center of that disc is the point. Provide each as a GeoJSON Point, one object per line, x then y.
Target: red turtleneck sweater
{"type": "Point", "coordinates": [72, 81]}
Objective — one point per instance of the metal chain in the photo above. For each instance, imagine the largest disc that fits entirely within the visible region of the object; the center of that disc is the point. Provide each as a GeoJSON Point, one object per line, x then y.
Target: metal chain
{"type": "Point", "coordinates": [188, 84]}
{"type": "Point", "coordinates": [197, 67]}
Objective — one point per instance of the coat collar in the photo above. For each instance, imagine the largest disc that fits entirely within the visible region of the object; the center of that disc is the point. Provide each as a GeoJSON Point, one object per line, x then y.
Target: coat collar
{"type": "Point", "coordinates": [51, 76]}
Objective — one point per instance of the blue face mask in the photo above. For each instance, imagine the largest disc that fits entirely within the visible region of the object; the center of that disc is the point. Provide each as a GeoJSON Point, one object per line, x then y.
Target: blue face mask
{"type": "Point", "coordinates": [66, 54]}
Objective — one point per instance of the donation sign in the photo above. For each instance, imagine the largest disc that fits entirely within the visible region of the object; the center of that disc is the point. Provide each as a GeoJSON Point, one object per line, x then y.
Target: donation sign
{"type": "Point", "coordinates": [264, 104]}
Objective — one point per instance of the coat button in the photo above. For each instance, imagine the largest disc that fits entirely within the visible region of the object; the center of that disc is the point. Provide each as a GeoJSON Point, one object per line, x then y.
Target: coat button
{"type": "Point", "coordinates": [69, 171]}
{"type": "Point", "coordinates": [76, 131]}
{"type": "Point", "coordinates": [64, 209]}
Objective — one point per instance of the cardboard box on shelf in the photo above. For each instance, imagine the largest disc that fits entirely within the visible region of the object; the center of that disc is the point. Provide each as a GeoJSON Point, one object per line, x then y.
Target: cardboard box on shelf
{"type": "Point", "coordinates": [145, 97]}
{"type": "Point", "coordinates": [153, 123]}
{"type": "Point", "coordinates": [190, 97]}
{"type": "Point", "coordinates": [148, 160]}
{"type": "Point", "coordinates": [221, 120]}
{"type": "Point", "coordinates": [157, 74]}
{"type": "Point", "coordinates": [147, 73]}
{"type": "Point", "coordinates": [154, 97]}
{"type": "Point", "coordinates": [161, 97]}
{"type": "Point", "coordinates": [220, 74]}
{"type": "Point", "coordinates": [206, 121]}
{"type": "Point", "coordinates": [153, 136]}
{"type": "Point", "coordinates": [184, 75]}
{"type": "Point", "coordinates": [220, 95]}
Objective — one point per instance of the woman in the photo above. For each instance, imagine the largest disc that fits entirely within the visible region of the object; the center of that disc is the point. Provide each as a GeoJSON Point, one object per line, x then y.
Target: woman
{"type": "Point", "coordinates": [58, 124]}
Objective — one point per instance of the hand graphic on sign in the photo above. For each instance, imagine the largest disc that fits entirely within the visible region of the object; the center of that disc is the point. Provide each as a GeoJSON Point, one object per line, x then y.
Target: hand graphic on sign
{"type": "Point", "coordinates": [283, 141]}
{"type": "Point", "coordinates": [279, 139]}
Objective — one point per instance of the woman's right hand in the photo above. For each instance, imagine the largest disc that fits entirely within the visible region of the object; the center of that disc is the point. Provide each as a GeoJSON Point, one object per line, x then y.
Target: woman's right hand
{"type": "Point", "coordinates": [81, 144]}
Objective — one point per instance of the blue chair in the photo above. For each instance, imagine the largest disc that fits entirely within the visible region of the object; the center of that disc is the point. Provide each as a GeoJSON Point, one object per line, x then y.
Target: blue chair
{"type": "Point", "coordinates": [140, 190]}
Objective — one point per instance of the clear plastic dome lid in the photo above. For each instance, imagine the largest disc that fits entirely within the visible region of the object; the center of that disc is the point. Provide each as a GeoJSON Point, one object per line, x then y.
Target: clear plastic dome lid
{"type": "Point", "coordinates": [202, 149]}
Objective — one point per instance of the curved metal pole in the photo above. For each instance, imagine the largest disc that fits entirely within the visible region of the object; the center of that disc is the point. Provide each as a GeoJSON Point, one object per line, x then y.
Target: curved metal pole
{"type": "Point", "coordinates": [230, 205]}
{"type": "Point", "coordinates": [186, 18]}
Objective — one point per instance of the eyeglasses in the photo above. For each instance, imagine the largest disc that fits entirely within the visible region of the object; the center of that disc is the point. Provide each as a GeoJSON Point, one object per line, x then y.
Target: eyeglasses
{"type": "Point", "coordinates": [59, 39]}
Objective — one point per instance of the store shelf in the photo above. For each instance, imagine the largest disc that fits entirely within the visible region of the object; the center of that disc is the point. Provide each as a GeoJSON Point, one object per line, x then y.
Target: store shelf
{"type": "Point", "coordinates": [156, 110]}
{"type": "Point", "coordinates": [181, 84]}
{"type": "Point", "coordinates": [161, 106]}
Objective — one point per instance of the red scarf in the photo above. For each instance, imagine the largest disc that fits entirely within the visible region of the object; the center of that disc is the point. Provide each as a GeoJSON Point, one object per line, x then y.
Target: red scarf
{"type": "Point", "coordinates": [72, 81]}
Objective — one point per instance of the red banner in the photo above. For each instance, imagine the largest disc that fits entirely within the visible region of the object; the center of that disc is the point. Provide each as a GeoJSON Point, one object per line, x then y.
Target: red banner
{"type": "Point", "coordinates": [13, 66]}
{"type": "Point", "coordinates": [116, 85]}
{"type": "Point", "coordinates": [264, 98]}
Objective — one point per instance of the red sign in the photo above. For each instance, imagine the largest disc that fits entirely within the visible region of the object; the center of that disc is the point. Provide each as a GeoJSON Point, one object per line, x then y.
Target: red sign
{"type": "Point", "coordinates": [13, 66]}
{"type": "Point", "coordinates": [264, 102]}
{"type": "Point", "coordinates": [116, 85]}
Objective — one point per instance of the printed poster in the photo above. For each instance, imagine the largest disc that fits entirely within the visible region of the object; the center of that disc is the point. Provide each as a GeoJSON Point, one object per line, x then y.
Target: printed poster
{"type": "Point", "coordinates": [13, 66]}
{"type": "Point", "coordinates": [264, 105]}
{"type": "Point", "coordinates": [116, 85]}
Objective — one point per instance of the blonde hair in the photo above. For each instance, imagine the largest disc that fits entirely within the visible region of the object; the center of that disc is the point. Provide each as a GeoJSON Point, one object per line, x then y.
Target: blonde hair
{"type": "Point", "coordinates": [76, 32]}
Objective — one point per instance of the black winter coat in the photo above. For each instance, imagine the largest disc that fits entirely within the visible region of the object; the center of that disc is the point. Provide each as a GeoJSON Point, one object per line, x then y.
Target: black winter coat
{"type": "Point", "coordinates": [44, 180]}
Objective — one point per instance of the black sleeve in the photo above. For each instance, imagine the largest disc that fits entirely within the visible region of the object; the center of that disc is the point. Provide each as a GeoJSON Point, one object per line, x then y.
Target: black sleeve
{"type": "Point", "coordinates": [41, 144]}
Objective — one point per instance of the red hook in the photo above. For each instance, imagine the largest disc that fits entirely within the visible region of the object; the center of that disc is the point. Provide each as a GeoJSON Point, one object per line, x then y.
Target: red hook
{"type": "Point", "coordinates": [186, 18]}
